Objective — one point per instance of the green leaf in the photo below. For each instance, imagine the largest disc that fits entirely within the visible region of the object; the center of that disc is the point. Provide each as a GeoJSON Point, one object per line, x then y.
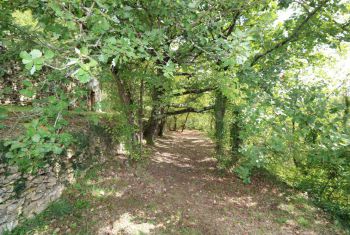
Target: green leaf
{"type": "Point", "coordinates": [36, 53]}
{"type": "Point", "coordinates": [25, 56]}
{"type": "Point", "coordinates": [29, 65]}
{"type": "Point", "coordinates": [27, 83]}
{"type": "Point", "coordinates": [35, 123]}
{"type": "Point", "coordinates": [82, 75]}
{"type": "Point", "coordinates": [32, 70]}
{"type": "Point", "coordinates": [27, 93]}
{"type": "Point", "coordinates": [36, 138]}
{"type": "Point", "coordinates": [57, 150]}
{"type": "Point", "coordinates": [84, 51]}
{"type": "Point", "coordinates": [192, 5]}
{"type": "Point", "coordinates": [56, 8]}
{"type": "Point", "coordinates": [3, 113]}
{"type": "Point", "coordinates": [49, 54]}
{"type": "Point", "coordinates": [101, 25]}
{"type": "Point", "coordinates": [16, 145]}
{"type": "Point", "coordinates": [25, 61]}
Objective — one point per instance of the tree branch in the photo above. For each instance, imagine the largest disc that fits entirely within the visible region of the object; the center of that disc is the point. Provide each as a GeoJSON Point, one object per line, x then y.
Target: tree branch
{"type": "Point", "coordinates": [233, 24]}
{"type": "Point", "coordinates": [194, 91]}
{"type": "Point", "coordinates": [185, 74]}
{"type": "Point", "coordinates": [189, 110]}
{"type": "Point", "coordinates": [293, 35]}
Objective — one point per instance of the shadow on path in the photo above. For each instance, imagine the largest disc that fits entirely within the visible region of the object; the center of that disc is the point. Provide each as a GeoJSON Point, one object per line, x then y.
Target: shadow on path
{"type": "Point", "coordinates": [180, 192]}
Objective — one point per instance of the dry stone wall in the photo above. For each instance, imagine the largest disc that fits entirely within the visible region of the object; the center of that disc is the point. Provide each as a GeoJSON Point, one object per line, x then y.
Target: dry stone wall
{"type": "Point", "coordinates": [23, 196]}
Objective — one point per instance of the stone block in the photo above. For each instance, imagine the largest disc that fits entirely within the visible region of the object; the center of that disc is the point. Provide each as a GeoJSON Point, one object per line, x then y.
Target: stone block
{"type": "Point", "coordinates": [8, 225]}
{"type": "Point", "coordinates": [4, 197]}
{"type": "Point", "coordinates": [12, 169]}
{"type": "Point", "coordinates": [36, 196]}
{"type": "Point", "coordinates": [30, 209]}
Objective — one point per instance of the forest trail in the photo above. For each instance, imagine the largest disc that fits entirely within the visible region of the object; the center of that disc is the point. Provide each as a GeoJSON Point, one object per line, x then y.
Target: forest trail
{"type": "Point", "coordinates": [179, 191]}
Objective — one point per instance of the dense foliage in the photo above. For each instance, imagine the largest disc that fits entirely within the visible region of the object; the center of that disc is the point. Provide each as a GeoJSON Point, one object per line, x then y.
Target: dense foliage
{"type": "Point", "coordinates": [232, 68]}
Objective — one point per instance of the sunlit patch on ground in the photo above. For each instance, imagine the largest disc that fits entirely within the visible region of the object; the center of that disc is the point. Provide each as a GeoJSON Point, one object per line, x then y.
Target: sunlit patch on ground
{"type": "Point", "coordinates": [178, 191]}
{"type": "Point", "coordinates": [126, 225]}
{"type": "Point", "coordinates": [244, 201]}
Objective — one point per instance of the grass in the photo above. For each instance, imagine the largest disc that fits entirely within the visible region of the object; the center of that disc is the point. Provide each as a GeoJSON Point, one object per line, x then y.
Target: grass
{"type": "Point", "coordinates": [75, 212]}
{"type": "Point", "coordinates": [281, 220]}
{"type": "Point", "coordinates": [57, 209]}
{"type": "Point", "coordinates": [17, 108]}
{"type": "Point", "coordinates": [303, 222]}
{"type": "Point", "coordinates": [69, 210]}
{"type": "Point", "coordinates": [78, 210]}
{"type": "Point", "coordinates": [91, 203]}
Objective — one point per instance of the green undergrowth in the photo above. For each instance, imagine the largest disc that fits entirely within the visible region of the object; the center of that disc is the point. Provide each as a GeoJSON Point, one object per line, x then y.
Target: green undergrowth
{"type": "Point", "coordinates": [337, 208]}
{"type": "Point", "coordinates": [70, 213]}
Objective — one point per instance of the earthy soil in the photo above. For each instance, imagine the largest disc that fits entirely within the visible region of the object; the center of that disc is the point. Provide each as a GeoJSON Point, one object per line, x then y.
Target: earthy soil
{"type": "Point", "coordinates": [178, 190]}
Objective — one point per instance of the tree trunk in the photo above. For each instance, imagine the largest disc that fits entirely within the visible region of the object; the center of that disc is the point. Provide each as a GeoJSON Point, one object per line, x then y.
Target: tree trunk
{"type": "Point", "coordinates": [219, 112]}
{"type": "Point", "coordinates": [184, 125]}
{"type": "Point", "coordinates": [235, 137]}
{"type": "Point", "coordinates": [127, 102]}
{"type": "Point", "coordinates": [175, 124]}
{"type": "Point", "coordinates": [161, 123]}
{"type": "Point", "coordinates": [161, 127]}
{"type": "Point", "coordinates": [141, 115]}
{"type": "Point", "coordinates": [94, 99]}
{"type": "Point", "coordinates": [151, 127]}
{"type": "Point", "coordinates": [153, 122]}
{"type": "Point", "coordinates": [157, 94]}
{"type": "Point", "coordinates": [346, 112]}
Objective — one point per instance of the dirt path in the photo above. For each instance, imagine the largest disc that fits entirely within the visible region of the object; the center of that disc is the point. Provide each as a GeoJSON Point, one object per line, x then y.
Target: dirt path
{"type": "Point", "coordinates": [179, 191]}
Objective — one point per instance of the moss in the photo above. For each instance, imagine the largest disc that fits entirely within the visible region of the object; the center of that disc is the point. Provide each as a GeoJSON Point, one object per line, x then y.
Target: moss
{"type": "Point", "coordinates": [19, 186]}
{"type": "Point", "coordinates": [81, 140]}
{"type": "Point", "coordinates": [3, 150]}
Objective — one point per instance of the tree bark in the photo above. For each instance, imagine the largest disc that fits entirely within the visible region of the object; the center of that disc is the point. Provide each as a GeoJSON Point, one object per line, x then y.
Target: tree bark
{"type": "Point", "coordinates": [94, 99]}
{"type": "Point", "coordinates": [157, 93]}
{"type": "Point", "coordinates": [175, 124]}
{"type": "Point", "coordinates": [219, 112]}
{"type": "Point", "coordinates": [235, 137]}
{"type": "Point", "coordinates": [346, 112]}
{"type": "Point", "coordinates": [189, 110]}
{"type": "Point", "coordinates": [153, 122]}
{"type": "Point", "coordinates": [141, 115]}
{"type": "Point", "coordinates": [184, 125]}
{"type": "Point", "coordinates": [161, 127]}
{"type": "Point", "coordinates": [127, 102]}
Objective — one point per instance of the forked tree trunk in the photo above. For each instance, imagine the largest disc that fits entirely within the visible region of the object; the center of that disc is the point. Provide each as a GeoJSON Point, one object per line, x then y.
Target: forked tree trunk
{"type": "Point", "coordinates": [153, 122]}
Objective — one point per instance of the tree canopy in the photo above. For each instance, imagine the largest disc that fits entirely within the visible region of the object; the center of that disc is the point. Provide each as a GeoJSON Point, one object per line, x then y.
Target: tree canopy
{"type": "Point", "coordinates": [235, 69]}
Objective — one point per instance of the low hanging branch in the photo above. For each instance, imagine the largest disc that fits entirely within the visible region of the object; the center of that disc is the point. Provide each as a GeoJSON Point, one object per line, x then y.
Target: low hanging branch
{"type": "Point", "coordinates": [189, 110]}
